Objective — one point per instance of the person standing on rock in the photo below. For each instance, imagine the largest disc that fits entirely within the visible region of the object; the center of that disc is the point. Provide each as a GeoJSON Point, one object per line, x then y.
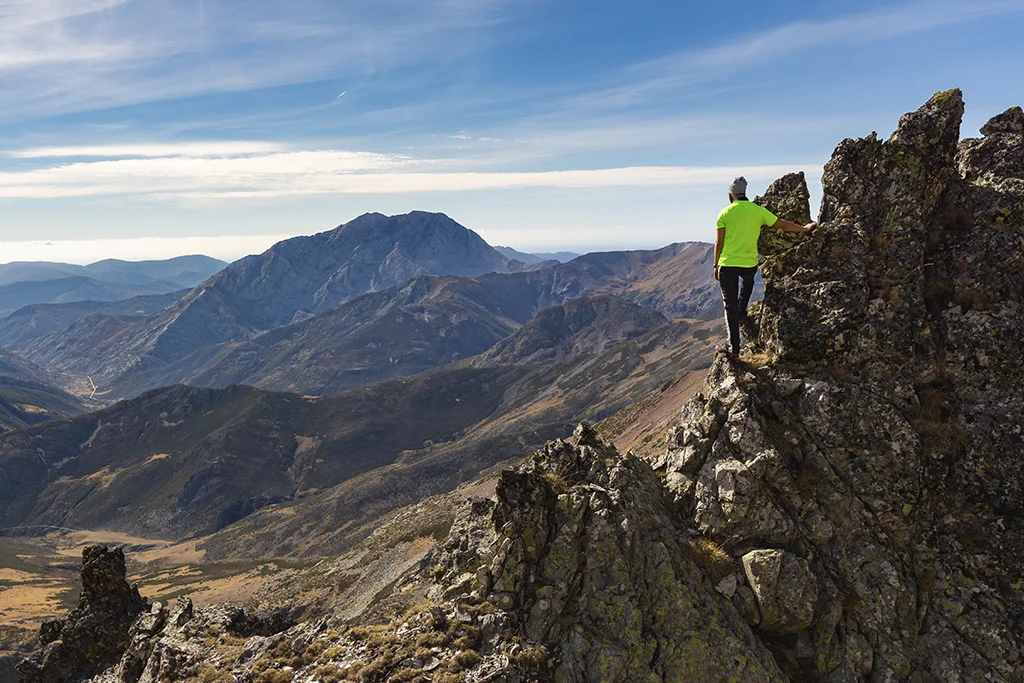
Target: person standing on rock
{"type": "Point", "coordinates": [739, 226]}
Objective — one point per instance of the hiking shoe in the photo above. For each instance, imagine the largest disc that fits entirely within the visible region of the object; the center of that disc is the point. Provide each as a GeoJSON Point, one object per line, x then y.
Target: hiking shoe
{"type": "Point", "coordinates": [729, 353]}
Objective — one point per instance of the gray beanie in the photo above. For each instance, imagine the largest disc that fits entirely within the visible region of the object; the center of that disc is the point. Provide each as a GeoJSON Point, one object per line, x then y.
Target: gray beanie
{"type": "Point", "coordinates": [738, 187]}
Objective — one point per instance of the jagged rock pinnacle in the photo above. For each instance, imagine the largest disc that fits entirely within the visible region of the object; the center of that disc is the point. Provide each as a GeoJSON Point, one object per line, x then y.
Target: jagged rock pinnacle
{"type": "Point", "coordinates": [93, 636]}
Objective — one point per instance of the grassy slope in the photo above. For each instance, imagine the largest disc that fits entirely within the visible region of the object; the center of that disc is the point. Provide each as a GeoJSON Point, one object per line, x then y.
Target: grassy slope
{"type": "Point", "coordinates": [24, 403]}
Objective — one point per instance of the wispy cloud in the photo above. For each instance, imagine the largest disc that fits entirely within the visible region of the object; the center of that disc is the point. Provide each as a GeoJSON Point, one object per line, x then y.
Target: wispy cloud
{"type": "Point", "coordinates": [180, 149]}
{"type": "Point", "coordinates": [327, 172]}
{"type": "Point", "coordinates": [62, 56]}
{"type": "Point", "coordinates": [651, 79]}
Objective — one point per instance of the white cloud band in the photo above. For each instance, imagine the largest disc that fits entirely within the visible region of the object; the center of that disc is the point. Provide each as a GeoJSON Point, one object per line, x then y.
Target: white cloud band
{"type": "Point", "coordinates": [82, 252]}
{"type": "Point", "coordinates": [228, 148]}
{"type": "Point", "coordinates": [325, 172]}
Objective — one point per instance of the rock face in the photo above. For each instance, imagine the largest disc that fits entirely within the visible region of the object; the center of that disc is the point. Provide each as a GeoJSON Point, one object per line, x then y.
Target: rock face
{"type": "Point", "coordinates": [880, 447]}
{"type": "Point", "coordinates": [788, 199]}
{"type": "Point", "coordinates": [584, 554]}
{"type": "Point", "coordinates": [95, 635]}
{"type": "Point", "coordinates": [1010, 121]}
{"type": "Point", "coordinates": [785, 588]}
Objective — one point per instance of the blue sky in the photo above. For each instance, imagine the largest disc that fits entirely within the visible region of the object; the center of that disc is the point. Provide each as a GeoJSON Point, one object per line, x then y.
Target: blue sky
{"type": "Point", "coordinates": [149, 128]}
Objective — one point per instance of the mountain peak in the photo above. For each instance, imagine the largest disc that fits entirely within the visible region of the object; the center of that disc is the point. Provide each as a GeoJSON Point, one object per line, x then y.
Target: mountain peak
{"type": "Point", "coordinates": [299, 278]}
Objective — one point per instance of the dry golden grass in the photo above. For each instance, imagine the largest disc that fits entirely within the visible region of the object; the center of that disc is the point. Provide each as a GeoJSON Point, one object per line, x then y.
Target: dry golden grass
{"type": "Point", "coordinates": [30, 409]}
{"type": "Point", "coordinates": [757, 359]}
{"type": "Point", "coordinates": [105, 477]}
{"type": "Point", "coordinates": [642, 426]}
{"type": "Point", "coordinates": [147, 549]}
{"type": "Point", "coordinates": [712, 558]}
{"type": "Point", "coordinates": [531, 658]}
{"type": "Point", "coordinates": [557, 481]}
{"type": "Point", "coordinates": [467, 659]}
{"type": "Point", "coordinates": [31, 600]}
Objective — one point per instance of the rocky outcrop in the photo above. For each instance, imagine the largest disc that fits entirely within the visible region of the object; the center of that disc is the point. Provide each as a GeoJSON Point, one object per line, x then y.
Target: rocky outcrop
{"type": "Point", "coordinates": [94, 635]}
{"type": "Point", "coordinates": [1010, 121]}
{"type": "Point", "coordinates": [880, 447]}
{"type": "Point", "coordinates": [583, 554]}
{"type": "Point", "coordinates": [788, 198]}
{"type": "Point", "coordinates": [177, 643]}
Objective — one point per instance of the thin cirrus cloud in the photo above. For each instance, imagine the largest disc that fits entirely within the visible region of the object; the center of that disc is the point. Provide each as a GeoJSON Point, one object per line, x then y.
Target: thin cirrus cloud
{"type": "Point", "coordinates": [117, 52]}
{"type": "Point", "coordinates": [228, 148]}
{"type": "Point", "coordinates": [652, 78]}
{"type": "Point", "coordinates": [312, 172]}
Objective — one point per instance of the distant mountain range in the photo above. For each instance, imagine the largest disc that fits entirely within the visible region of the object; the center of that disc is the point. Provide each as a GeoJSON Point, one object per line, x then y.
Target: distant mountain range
{"type": "Point", "coordinates": [581, 327]}
{"type": "Point", "coordinates": [28, 283]}
{"type": "Point", "coordinates": [21, 328]}
{"type": "Point", "coordinates": [181, 462]}
{"type": "Point", "coordinates": [415, 357]}
{"type": "Point", "coordinates": [209, 338]}
{"type": "Point", "coordinates": [292, 281]}
{"type": "Point", "coordinates": [534, 259]}
{"type": "Point", "coordinates": [180, 272]}
{"type": "Point", "coordinates": [377, 298]}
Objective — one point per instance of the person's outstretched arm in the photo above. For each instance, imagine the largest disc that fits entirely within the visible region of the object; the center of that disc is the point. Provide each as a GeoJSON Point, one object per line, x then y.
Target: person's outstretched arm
{"type": "Point", "coordinates": [793, 227]}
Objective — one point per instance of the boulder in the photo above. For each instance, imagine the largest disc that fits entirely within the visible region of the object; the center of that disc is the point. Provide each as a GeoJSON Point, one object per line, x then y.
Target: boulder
{"type": "Point", "coordinates": [785, 588]}
{"type": "Point", "coordinates": [1010, 121]}
{"type": "Point", "coordinates": [789, 199]}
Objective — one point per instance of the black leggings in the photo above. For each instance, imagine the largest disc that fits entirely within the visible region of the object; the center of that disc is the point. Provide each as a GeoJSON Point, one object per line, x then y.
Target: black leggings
{"type": "Point", "coordinates": [737, 286]}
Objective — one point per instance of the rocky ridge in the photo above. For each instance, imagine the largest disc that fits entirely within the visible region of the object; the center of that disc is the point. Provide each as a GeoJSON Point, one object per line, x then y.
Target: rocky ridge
{"type": "Point", "coordinates": [880, 446]}
{"type": "Point", "coordinates": [96, 634]}
{"type": "Point", "coordinates": [844, 508]}
{"type": "Point", "coordinates": [27, 325]}
{"type": "Point", "coordinates": [584, 326]}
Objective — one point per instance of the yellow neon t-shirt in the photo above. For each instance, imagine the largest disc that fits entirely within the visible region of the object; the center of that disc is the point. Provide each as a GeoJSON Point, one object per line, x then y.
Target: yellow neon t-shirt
{"type": "Point", "coordinates": [742, 221]}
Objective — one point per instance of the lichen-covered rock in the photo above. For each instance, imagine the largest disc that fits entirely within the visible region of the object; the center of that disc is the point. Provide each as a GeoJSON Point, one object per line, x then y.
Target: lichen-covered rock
{"type": "Point", "coordinates": [789, 199]}
{"type": "Point", "coordinates": [94, 635]}
{"type": "Point", "coordinates": [881, 445]}
{"type": "Point", "coordinates": [785, 588]}
{"type": "Point", "coordinates": [587, 558]}
{"type": "Point", "coordinates": [1010, 121]}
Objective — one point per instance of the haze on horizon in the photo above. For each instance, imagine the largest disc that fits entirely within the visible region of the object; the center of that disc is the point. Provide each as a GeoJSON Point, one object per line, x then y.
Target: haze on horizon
{"type": "Point", "coordinates": [138, 129]}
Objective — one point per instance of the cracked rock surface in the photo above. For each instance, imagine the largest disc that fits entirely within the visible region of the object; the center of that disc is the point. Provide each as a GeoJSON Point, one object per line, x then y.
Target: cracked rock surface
{"type": "Point", "coordinates": [878, 441]}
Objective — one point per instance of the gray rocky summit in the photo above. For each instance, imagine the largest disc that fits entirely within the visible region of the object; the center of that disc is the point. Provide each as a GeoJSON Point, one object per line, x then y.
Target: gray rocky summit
{"type": "Point", "coordinates": [290, 282]}
{"type": "Point", "coordinates": [844, 506]}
